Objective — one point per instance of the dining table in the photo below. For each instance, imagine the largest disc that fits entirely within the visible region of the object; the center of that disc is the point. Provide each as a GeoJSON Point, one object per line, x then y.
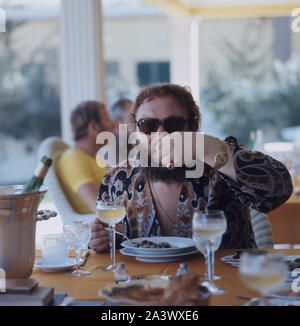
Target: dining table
{"type": "Point", "coordinates": [285, 220]}
{"type": "Point", "coordinates": [86, 288]}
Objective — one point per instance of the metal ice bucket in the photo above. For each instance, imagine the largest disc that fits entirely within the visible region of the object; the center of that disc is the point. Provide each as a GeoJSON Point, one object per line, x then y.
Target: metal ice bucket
{"type": "Point", "coordinates": [18, 216]}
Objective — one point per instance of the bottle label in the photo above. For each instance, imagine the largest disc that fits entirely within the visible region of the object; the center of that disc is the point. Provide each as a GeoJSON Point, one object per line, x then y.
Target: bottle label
{"type": "Point", "coordinates": [41, 170]}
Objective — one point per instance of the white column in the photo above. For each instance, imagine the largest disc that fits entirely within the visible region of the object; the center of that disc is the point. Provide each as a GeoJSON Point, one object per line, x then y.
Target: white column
{"type": "Point", "coordinates": [185, 68]}
{"type": "Point", "coordinates": [82, 65]}
{"type": "Point", "coordinates": [2, 24]}
{"type": "Point", "coordinates": [194, 58]}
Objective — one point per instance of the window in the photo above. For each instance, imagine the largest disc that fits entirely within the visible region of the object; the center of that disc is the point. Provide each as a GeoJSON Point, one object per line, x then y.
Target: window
{"type": "Point", "coordinates": [153, 72]}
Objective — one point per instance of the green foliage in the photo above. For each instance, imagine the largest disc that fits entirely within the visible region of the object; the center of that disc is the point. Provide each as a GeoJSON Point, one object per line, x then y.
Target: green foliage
{"type": "Point", "coordinates": [251, 94]}
{"type": "Point", "coordinates": [29, 101]}
{"type": "Point", "coordinates": [242, 104]}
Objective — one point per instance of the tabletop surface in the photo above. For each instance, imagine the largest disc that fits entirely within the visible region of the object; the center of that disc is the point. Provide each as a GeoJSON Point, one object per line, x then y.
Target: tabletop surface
{"type": "Point", "coordinates": [87, 287]}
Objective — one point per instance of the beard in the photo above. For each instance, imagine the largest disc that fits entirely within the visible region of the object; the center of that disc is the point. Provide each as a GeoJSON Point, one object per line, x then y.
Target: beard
{"type": "Point", "coordinates": [164, 174]}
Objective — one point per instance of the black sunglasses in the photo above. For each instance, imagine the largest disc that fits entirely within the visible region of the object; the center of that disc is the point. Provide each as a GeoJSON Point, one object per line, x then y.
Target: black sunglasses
{"type": "Point", "coordinates": [170, 124]}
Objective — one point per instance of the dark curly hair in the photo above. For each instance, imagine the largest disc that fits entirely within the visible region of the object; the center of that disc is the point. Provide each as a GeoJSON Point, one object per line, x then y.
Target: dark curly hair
{"type": "Point", "coordinates": [180, 94]}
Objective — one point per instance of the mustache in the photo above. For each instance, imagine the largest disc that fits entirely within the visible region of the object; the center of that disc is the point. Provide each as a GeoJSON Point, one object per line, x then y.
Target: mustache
{"type": "Point", "coordinates": [164, 174]}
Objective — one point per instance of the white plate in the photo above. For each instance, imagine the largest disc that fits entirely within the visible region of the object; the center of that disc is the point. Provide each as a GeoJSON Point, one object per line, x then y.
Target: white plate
{"type": "Point", "coordinates": [229, 258]}
{"type": "Point", "coordinates": [231, 261]}
{"type": "Point", "coordinates": [178, 244]}
{"type": "Point", "coordinates": [55, 268]}
{"type": "Point", "coordinates": [156, 258]}
{"type": "Point", "coordinates": [284, 293]}
{"type": "Point", "coordinates": [236, 261]}
{"type": "Point", "coordinates": [233, 264]}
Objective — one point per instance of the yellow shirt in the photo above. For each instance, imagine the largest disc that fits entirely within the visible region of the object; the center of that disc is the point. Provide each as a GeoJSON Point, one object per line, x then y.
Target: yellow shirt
{"type": "Point", "coordinates": [74, 169]}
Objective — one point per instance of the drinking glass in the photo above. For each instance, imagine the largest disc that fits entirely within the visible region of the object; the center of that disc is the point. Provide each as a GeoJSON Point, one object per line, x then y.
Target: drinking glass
{"type": "Point", "coordinates": [54, 249]}
{"type": "Point", "coordinates": [111, 213]}
{"type": "Point", "coordinates": [208, 229]}
{"type": "Point", "coordinates": [121, 274]}
{"type": "Point", "coordinates": [77, 236]}
{"type": "Point", "coordinates": [263, 273]}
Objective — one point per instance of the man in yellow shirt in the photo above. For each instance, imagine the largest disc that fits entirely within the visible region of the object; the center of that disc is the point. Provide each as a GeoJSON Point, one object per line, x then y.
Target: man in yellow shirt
{"type": "Point", "coordinates": [77, 169]}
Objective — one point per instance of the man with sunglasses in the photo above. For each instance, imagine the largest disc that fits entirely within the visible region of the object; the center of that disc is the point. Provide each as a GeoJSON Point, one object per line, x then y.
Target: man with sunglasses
{"type": "Point", "coordinates": [160, 199]}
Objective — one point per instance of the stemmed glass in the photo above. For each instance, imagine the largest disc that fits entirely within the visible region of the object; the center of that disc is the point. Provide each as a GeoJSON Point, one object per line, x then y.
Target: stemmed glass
{"type": "Point", "coordinates": [263, 273]}
{"type": "Point", "coordinates": [77, 236]}
{"type": "Point", "coordinates": [208, 229]}
{"type": "Point", "coordinates": [111, 213]}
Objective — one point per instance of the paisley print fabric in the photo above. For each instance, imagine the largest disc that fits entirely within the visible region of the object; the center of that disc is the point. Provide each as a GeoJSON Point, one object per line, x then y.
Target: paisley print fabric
{"type": "Point", "coordinates": [262, 183]}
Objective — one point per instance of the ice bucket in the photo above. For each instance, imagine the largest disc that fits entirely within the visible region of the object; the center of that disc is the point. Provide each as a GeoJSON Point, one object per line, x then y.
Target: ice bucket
{"type": "Point", "coordinates": [18, 216]}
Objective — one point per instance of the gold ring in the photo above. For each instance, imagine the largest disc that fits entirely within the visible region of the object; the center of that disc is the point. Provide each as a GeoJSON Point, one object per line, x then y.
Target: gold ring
{"type": "Point", "coordinates": [171, 166]}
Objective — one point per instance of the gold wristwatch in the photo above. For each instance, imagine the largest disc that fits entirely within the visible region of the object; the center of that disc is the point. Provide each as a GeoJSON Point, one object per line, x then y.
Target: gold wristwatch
{"type": "Point", "coordinates": [221, 157]}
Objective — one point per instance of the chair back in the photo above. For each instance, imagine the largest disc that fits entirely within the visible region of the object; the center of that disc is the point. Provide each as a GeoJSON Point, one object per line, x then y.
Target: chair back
{"type": "Point", "coordinates": [262, 229]}
{"type": "Point", "coordinates": [54, 147]}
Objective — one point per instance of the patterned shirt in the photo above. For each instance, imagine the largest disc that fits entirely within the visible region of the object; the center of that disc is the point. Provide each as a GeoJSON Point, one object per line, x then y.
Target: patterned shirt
{"type": "Point", "coordinates": [262, 183]}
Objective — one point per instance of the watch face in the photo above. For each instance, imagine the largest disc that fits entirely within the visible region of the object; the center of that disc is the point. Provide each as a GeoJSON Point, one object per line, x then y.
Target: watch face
{"type": "Point", "coordinates": [220, 159]}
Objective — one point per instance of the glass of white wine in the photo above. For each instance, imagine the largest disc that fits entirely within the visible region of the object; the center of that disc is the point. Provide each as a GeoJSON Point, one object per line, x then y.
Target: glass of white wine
{"type": "Point", "coordinates": [111, 213]}
{"type": "Point", "coordinates": [263, 273]}
{"type": "Point", "coordinates": [208, 229]}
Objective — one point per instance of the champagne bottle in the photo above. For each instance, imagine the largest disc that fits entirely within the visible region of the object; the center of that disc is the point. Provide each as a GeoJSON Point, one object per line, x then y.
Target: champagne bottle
{"type": "Point", "coordinates": [38, 177]}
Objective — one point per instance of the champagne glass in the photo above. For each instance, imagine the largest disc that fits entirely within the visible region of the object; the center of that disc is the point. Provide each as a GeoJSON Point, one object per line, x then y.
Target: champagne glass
{"type": "Point", "coordinates": [77, 236]}
{"type": "Point", "coordinates": [111, 213]}
{"type": "Point", "coordinates": [263, 273]}
{"type": "Point", "coordinates": [208, 229]}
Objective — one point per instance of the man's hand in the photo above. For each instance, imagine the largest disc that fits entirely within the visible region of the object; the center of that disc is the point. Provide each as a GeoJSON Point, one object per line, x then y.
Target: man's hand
{"type": "Point", "coordinates": [180, 148]}
{"type": "Point", "coordinates": [99, 239]}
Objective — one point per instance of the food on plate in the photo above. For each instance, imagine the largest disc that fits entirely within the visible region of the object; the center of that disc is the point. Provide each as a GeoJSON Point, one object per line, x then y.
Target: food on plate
{"type": "Point", "coordinates": [164, 277]}
{"type": "Point", "coordinates": [183, 290]}
{"type": "Point", "coordinates": [138, 293]}
{"type": "Point", "coordinates": [150, 244]}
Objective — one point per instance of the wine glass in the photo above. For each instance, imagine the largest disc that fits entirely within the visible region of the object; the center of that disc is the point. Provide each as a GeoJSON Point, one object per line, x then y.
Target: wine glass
{"type": "Point", "coordinates": [111, 213]}
{"type": "Point", "coordinates": [263, 273]}
{"type": "Point", "coordinates": [208, 229]}
{"type": "Point", "coordinates": [77, 236]}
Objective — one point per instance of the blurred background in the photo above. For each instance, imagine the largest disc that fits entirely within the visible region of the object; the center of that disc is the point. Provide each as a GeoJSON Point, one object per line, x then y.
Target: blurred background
{"type": "Point", "coordinates": [241, 60]}
{"type": "Point", "coordinates": [248, 71]}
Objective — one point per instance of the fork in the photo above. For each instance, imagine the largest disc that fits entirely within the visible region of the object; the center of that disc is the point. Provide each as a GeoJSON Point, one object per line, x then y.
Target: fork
{"type": "Point", "coordinates": [125, 236]}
